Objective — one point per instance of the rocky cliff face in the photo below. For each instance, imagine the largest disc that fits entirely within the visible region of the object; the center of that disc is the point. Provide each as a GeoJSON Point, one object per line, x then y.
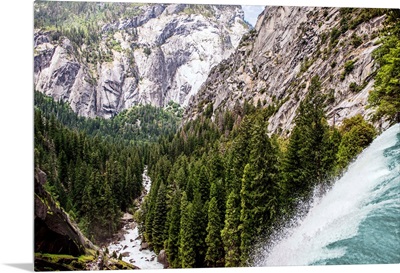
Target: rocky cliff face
{"type": "Point", "coordinates": [151, 55]}
{"type": "Point", "coordinates": [274, 64]}
{"type": "Point", "coordinates": [54, 231]}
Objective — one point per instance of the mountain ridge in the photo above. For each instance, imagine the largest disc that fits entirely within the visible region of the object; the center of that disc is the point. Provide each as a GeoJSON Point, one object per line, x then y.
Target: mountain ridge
{"type": "Point", "coordinates": [148, 54]}
{"type": "Point", "coordinates": [273, 65]}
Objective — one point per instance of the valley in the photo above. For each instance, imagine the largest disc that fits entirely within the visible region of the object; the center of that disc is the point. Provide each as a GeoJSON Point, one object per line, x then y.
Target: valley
{"type": "Point", "coordinates": [213, 141]}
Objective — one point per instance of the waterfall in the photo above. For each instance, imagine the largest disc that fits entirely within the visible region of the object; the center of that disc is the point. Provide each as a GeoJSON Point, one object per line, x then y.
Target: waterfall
{"type": "Point", "coordinates": [356, 222]}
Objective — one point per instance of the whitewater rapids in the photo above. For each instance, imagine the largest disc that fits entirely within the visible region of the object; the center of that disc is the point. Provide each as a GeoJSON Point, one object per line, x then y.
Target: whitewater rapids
{"type": "Point", "coordinates": [356, 222]}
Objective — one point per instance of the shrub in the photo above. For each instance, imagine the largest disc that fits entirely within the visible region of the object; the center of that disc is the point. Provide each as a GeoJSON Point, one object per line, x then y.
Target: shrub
{"type": "Point", "coordinates": [356, 41]}
{"type": "Point", "coordinates": [357, 134]}
{"type": "Point", "coordinates": [353, 87]}
{"type": "Point", "coordinates": [147, 51]}
{"type": "Point", "coordinates": [348, 67]}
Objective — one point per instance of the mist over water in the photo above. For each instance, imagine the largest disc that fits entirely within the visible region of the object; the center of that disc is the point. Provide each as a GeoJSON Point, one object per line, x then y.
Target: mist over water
{"type": "Point", "coordinates": [356, 222]}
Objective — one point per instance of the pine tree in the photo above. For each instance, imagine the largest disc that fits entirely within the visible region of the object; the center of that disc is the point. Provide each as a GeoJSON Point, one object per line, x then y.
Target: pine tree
{"type": "Point", "coordinates": [230, 234]}
{"type": "Point", "coordinates": [199, 216]}
{"type": "Point", "coordinates": [187, 253]}
{"type": "Point", "coordinates": [173, 231]}
{"type": "Point", "coordinates": [248, 224]}
{"type": "Point", "coordinates": [160, 217]}
{"type": "Point", "coordinates": [304, 164]}
{"type": "Point", "coordinates": [258, 184]}
{"type": "Point", "coordinates": [240, 154]}
{"type": "Point", "coordinates": [204, 184]}
{"type": "Point", "coordinates": [215, 252]}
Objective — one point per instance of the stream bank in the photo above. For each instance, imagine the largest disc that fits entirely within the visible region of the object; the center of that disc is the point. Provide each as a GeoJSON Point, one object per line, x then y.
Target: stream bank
{"type": "Point", "coordinates": [129, 243]}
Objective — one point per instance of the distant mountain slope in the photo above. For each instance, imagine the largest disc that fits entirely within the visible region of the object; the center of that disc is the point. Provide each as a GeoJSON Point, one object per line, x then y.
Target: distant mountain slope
{"type": "Point", "coordinates": [275, 62]}
{"type": "Point", "coordinates": [106, 57]}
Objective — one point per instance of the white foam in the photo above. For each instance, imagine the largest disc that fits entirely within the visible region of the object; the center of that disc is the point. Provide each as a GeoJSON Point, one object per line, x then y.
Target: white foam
{"type": "Point", "coordinates": [337, 215]}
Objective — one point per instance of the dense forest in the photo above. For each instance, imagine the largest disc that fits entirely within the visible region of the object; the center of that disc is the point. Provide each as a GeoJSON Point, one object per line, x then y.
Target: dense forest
{"type": "Point", "coordinates": [94, 166]}
{"type": "Point", "coordinates": [220, 187]}
{"type": "Point", "coordinates": [221, 183]}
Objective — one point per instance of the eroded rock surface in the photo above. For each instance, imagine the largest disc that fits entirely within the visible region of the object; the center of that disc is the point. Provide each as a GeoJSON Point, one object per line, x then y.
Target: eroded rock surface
{"type": "Point", "coordinates": [162, 54]}
{"type": "Point", "coordinates": [274, 64]}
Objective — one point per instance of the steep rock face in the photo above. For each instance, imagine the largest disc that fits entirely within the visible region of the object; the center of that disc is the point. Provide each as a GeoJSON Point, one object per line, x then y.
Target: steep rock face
{"type": "Point", "coordinates": [274, 64]}
{"type": "Point", "coordinates": [54, 231]}
{"type": "Point", "coordinates": [163, 53]}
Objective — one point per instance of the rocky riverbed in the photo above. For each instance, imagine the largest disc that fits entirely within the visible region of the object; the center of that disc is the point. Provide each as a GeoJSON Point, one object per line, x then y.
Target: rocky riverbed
{"type": "Point", "coordinates": [129, 243]}
{"type": "Point", "coordinates": [133, 250]}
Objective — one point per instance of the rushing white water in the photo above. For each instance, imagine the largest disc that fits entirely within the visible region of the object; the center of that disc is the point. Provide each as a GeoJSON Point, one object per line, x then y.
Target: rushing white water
{"type": "Point", "coordinates": [130, 246]}
{"type": "Point", "coordinates": [357, 221]}
{"type": "Point", "coordinates": [144, 259]}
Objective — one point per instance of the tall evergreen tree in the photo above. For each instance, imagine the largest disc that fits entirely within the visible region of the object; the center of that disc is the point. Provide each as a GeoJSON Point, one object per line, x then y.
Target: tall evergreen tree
{"type": "Point", "coordinates": [160, 217]}
{"type": "Point", "coordinates": [187, 253]}
{"type": "Point", "coordinates": [258, 184]}
{"type": "Point", "coordinates": [215, 251]}
{"type": "Point", "coordinates": [304, 165]}
{"type": "Point", "coordinates": [247, 226]}
{"type": "Point", "coordinates": [199, 216]}
{"type": "Point", "coordinates": [204, 183]}
{"type": "Point", "coordinates": [173, 231]}
{"type": "Point", "coordinates": [230, 234]}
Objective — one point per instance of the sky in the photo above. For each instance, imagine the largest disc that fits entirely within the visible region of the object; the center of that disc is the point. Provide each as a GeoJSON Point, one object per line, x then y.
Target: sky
{"type": "Point", "coordinates": [251, 13]}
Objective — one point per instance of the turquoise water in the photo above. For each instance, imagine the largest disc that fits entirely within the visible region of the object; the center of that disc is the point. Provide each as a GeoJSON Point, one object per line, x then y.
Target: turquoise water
{"type": "Point", "coordinates": [357, 221]}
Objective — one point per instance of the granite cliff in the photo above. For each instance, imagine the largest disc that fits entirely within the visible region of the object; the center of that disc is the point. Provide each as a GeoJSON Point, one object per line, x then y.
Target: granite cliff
{"type": "Point", "coordinates": [275, 62]}
{"type": "Point", "coordinates": [127, 54]}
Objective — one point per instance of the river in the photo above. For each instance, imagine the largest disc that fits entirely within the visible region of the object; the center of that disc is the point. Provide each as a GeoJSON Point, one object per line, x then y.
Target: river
{"type": "Point", "coordinates": [130, 246]}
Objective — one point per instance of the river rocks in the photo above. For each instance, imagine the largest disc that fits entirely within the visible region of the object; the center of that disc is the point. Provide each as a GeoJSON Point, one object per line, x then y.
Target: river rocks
{"type": "Point", "coordinates": [143, 246]}
{"type": "Point", "coordinates": [162, 258]}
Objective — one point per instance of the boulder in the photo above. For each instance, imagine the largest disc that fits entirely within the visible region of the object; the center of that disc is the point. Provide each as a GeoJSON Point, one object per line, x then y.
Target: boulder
{"type": "Point", "coordinates": [125, 254]}
{"type": "Point", "coordinates": [144, 246]}
{"type": "Point", "coordinates": [162, 258]}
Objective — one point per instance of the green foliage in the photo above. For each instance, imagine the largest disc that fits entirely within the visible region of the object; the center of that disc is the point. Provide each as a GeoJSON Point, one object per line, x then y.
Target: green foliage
{"type": "Point", "coordinates": [218, 183]}
{"type": "Point", "coordinates": [80, 21]}
{"type": "Point", "coordinates": [230, 234]}
{"type": "Point", "coordinates": [199, 217]}
{"type": "Point", "coordinates": [147, 51]}
{"type": "Point", "coordinates": [356, 41]}
{"type": "Point", "coordinates": [304, 165]}
{"type": "Point", "coordinates": [173, 232]}
{"type": "Point", "coordinates": [305, 65]}
{"type": "Point", "coordinates": [334, 36]}
{"type": "Point", "coordinates": [87, 175]}
{"type": "Point", "coordinates": [348, 68]}
{"type": "Point", "coordinates": [355, 88]}
{"type": "Point", "coordinates": [61, 262]}
{"type": "Point", "coordinates": [353, 17]}
{"type": "Point", "coordinates": [215, 250]}
{"type": "Point", "coordinates": [385, 96]}
{"type": "Point", "coordinates": [137, 124]}
{"type": "Point", "coordinates": [186, 235]}
{"type": "Point", "coordinates": [160, 217]}
{"type": "Point", "coordinates": [206, 10]}
{"type": "Point", "coordinates": [356, 135]}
